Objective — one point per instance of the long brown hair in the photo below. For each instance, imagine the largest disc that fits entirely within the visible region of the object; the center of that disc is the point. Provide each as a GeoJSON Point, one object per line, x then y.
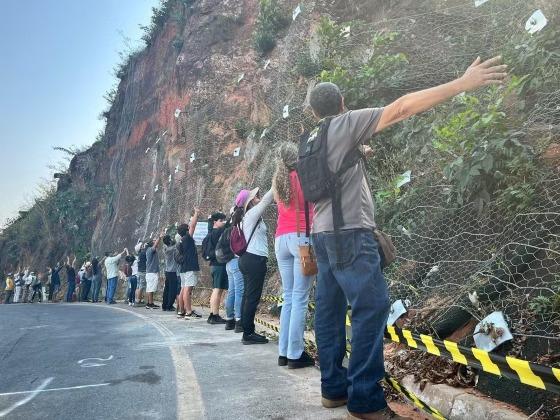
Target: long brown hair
{"type": "Point", "coordinates": [286, 163]}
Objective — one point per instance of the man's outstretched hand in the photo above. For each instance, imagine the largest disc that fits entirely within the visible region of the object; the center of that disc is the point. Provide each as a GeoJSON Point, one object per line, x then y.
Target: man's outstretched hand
{"type": "Point", "coordinates": [483, 73]}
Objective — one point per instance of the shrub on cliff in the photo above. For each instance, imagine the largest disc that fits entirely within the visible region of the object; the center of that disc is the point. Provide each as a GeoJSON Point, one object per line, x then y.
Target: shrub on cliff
{"type": "Point", "coordinates": [271, 20]}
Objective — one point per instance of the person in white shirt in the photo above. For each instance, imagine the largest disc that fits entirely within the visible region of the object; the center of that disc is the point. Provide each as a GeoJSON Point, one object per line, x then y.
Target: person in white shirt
{"type": "Point", "coordinates": [112, 267]}
{"type": "Point", "coordinates": [253, 263]}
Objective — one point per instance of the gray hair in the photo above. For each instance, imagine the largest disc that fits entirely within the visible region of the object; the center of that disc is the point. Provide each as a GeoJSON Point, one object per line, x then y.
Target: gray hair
{"type": "Point", "coordinates": [326, 99]}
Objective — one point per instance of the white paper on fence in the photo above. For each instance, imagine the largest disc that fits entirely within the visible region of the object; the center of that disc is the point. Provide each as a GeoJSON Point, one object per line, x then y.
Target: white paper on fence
{"type": "Point", "coordinates": [479, 2]}
{"type": "Point", "coordinates": [286, 111]}
{"type": "Point", "coordinates": [236, 151]}
{"type": "Point", "coordinates": [296, 12]}
{"type": "Point", "coordinates": [170, 178]}
{"type": "Point", "coordinates": [144, 197]}
{"type": "Point", "coordinates": [536, 22]}
{"type": "Point", "coordinates": [193, 157]}
{"type": "Point", "coordinates": [263, 133]}
{"type": "Point", "coordinates": [485, 342]}
{"type": "Point", "coordinates": [156, 188]}
{"type": "Point", "coordinates": [404, 179]}
{"type": "Point", "coordinates": [147, 150]}
{"type": "Point", "coordinates": [397, 310]}
{"type": "Point", "coordinates": [346, 32]}
{"type": "Point", "coordinates": [177, 113]}
{"type": "Point", "coordinates": [200, 232]}
{"type": "Point", "coordinates": [177, 169]}
{"type": "Point", "coordinates": [241, 77]}
{"type": "Point", "coordinates": [266, 64]}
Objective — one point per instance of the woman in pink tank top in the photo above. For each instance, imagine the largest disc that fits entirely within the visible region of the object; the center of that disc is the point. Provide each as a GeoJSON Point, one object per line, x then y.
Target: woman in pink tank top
{"type": "Point", "coordinates": [290, 233]}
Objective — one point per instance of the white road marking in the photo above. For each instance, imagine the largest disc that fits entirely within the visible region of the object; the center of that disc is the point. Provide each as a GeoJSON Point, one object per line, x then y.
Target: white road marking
{"type": "Point", "coordinates": [32, 394]}
{"type": "Point", "coordinates": [34, 328]}
{"type": "Point", "coordinates": [94, 364]}
{"type": "Point", "coordinates": [40, 389]}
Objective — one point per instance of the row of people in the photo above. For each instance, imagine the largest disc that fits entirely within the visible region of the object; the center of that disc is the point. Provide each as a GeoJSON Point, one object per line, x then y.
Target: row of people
{"type": "Point", "coordinates": [348, 254]}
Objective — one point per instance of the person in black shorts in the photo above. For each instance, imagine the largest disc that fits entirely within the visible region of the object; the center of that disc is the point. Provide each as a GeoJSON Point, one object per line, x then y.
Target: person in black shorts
{"type": "Point", "coordinates": [219, 273]}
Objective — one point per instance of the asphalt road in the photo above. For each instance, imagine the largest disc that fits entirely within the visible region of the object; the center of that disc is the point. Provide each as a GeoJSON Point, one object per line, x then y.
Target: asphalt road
{"type": "Point", "coordinates": [95, 361]}
{"type": "Point", "coordinates": [67, 361]}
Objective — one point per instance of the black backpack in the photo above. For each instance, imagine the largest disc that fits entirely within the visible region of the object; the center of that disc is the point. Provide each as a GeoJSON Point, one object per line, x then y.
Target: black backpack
{"type": "Point", "coordinates": [316, 179]}
{"type": "Point", "coordinates": [223, 251]}
{"type": "Point", "coordinates": [180, 255]}
{"type": "Point", "coordinates": [208, 249]}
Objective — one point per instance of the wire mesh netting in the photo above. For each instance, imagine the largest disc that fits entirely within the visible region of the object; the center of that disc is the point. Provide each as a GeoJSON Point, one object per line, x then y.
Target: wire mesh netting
{"type": "Point", "coordinates": [469, 192]}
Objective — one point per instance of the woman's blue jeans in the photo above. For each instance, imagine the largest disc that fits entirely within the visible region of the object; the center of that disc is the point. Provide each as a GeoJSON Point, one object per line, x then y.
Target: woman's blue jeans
{"type": "Point", "coordinates": [295, 288]}
{"type": "Point", "coordinates": [235, 290]}
{"type": "Point", "coordinates": [70, 291]}
{"type": "Point", "coordinates": [351, 273]}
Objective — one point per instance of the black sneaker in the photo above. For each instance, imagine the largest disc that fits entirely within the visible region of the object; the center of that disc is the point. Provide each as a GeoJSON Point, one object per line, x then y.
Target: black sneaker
{"type": "Point", "coordinates": [172, 309]}
{"type": "Point", "coordinates": [254, 339]}
{"type": "Point", "coordinates": [217, 320]}
{"type": "Point", "coordinates": [238, 327]}
{"type": "Point", "coordinates": [304, 361]}
{"type": "Point", "coordinates": [230, 324]}
{"type": "Point", "coordinates": [148, 306]}
{"type": "Point", "coordinates": [282, 360]}
{"type": "Point", "coordinates": [154, 306]}
{"type": "Point", "coordinates": [210, 319]}
{"type": "Point", "coordinates": [193, 314]}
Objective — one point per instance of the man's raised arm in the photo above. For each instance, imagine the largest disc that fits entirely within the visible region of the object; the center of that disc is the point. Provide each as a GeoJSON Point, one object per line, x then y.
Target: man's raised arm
{"type": "Point", "coordinates": [477, 75]}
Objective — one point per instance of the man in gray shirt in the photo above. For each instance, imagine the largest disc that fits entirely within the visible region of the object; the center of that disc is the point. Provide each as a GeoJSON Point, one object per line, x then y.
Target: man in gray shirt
{"type": "Point", "coordinates": [349, 261]}
{"type": "Point", "coordinates": [152, 272]}
{"type": "Point", "coordinates": [170, 287]}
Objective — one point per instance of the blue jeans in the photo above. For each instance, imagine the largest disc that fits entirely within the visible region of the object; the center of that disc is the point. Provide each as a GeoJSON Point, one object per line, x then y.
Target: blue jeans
{"type": "Point", "coordinates": [111, 288]}
{"type": "Point", "coordinates": [132, 282]}
{"type": "Point", "coordinates": [353, 276]}
{"type": "Point", "coordinates": [295, 288]}
{"type": "Point", "coordinates": [70, 291]}
{"type": "Point", "coordinates": [235, 290]}
{"type": "Point", "coordinates": [96, 285]}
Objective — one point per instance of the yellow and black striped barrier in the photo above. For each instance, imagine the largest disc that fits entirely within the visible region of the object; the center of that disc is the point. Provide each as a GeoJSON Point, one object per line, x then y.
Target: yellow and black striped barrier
{"type": "Point", "coordinates": [528, 373]}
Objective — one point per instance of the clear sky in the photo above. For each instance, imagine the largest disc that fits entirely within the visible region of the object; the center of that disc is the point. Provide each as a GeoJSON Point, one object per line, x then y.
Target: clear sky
{"type": "Point", "coordinates": [56, 60]}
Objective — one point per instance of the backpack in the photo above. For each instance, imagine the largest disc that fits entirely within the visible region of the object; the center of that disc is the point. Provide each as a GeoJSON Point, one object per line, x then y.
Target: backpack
{"type": "Point", "coordinates": [316, 179]}
{"type": "Point", "coordinates": [223, 251]}
{"type": "Point", "coordinates": [208, 249]}
{"type": "Point", "coordinates": [237, 241]}
{"type": "Point", "coordinates": [179, 255]}
{"type": "Point", "coordinates": [127, 270]}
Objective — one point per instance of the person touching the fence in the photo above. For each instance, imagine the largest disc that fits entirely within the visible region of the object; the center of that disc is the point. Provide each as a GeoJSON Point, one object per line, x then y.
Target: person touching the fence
{"type": "Point", "coordinates": [248, 220]}
{"type": "Point", "coordinates": [218, 269]}
{"type": "Point", "coordinates": [140, 250]}
{"type": "Point", "coordinates": [187, 261]}
{"type": "Point", "coordinates": [70, 278]}
{"type": "Point", "coordinates": [18, 281]}
{"type": "Point", "coordinates": [235, 280]}
{"type": "Point", "coordinates": [292, 236]}
{"type": "Point", "coordinates": [152, 272]}
{"type": "Point", "coordinates": [95, 279]}
{"type": "Point", "coordinates": [170, 286]}
{"type": "Point", "coordinates": [54, 287]}
{"type": "Point", "coordinates": [347, 251]}
{"type": "Point", "coordinates": [9, 289]}
{"type": "Point", "coordinates": [112, 267]}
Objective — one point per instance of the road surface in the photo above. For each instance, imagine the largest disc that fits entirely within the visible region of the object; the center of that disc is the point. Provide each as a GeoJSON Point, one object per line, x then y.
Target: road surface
{"type": "Point", "coordinates": [95, 361]}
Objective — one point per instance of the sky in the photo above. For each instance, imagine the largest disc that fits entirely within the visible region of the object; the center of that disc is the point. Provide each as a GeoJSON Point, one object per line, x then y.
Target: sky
{"type": "Point", "coordinates": [56, 61]}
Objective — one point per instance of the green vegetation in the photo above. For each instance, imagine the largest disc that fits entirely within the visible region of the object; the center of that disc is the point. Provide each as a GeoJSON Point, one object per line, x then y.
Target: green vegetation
{"type": "Point", "coordinates": [271, 20]}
